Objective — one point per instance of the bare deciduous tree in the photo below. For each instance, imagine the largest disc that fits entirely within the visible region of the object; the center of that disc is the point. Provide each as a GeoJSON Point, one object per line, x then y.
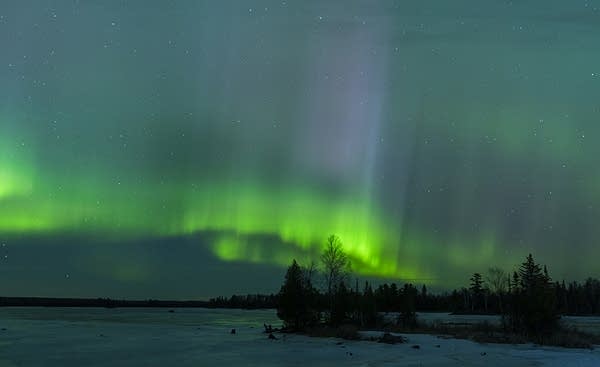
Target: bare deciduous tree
{"type": "Point", "coordinates": [498, 280]}
{"type": "Point", "coordinates": [336, 264]}
{"type": "Point", "coordinates": [336, 268]}
{"type": "Point", "coordinates": [309, 272]}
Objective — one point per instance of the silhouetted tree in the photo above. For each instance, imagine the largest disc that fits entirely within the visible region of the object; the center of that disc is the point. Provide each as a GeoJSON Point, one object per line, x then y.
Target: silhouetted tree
{"type": "Point", "coordinates": [336, 267]}
{"type": "Point", "coordinates": [533, 300]}
{"type": "Point", "coordinates": [297, 299]}
{"type": "Point", "coordinates": [498, 282]}
{"type": "Point", "coordinates": [476, 290]}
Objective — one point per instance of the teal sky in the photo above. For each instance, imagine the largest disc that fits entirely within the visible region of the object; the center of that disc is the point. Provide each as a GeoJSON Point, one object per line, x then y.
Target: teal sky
{"type": "Point", "coordinates": [187, 149]}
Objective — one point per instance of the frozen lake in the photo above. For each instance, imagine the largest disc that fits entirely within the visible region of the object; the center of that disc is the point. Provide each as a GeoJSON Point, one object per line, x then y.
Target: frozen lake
{"type": "Point", "coordinates": [201, 337]}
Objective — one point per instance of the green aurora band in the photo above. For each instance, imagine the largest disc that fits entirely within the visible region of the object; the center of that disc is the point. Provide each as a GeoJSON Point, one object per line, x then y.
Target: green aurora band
{"type": "Point", "coordinates": [303, 217]}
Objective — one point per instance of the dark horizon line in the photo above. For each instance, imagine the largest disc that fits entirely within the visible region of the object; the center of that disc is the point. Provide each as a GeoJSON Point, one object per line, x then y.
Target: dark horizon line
{"type": "Point", "coordinates": [99, 302]}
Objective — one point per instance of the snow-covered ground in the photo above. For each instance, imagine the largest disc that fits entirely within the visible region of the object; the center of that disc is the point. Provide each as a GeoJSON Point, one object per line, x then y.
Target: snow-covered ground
{"type": "Point", "coordinates": [200, 337]}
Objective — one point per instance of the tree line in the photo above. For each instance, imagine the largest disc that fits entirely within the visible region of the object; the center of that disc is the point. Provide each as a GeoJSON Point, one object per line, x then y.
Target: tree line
{"type": "Point", "coordinates": [248, 302]}
{"type": "Point", "coordinates": [342, 298]}
{"type": "Point", "coordinates": [528, 300]}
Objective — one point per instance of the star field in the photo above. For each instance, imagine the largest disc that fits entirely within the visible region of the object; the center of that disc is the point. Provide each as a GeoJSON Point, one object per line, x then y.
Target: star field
{"type": "Point", "coordinates": [142, 143]}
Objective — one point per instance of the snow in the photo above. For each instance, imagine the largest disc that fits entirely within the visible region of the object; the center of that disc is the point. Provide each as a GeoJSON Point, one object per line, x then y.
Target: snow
{"type": "Point", "coordinates": [200, 337]}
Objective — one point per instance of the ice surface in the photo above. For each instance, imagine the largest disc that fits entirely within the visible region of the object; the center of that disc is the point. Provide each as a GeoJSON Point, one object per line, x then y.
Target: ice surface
{"type": "Point", "coordinates": [201, 337]}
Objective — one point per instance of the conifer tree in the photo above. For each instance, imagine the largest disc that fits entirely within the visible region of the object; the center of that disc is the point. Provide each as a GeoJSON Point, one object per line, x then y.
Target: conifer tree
{"type": "Point", "coordinates": [476, 289]}
{"type": "Point", "coordinates": [533, 308]}
{"type": "Point", "coordinates": [296, 299]}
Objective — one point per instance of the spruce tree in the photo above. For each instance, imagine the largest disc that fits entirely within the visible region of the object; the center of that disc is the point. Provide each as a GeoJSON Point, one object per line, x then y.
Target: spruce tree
{"type": "Point", "coordinates": [476, 290]}
{"type": "Point", "coordinates": [533, 308]}
{"type": "Point", "coordinates": [295, 298]}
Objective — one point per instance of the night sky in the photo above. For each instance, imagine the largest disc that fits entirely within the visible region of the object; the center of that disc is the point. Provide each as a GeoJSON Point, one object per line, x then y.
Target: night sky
{"type": "Point", "coordinates": [187, 149]}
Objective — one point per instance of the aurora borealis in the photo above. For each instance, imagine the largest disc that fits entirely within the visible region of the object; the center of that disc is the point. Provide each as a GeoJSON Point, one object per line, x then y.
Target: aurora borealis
{"type": "Point", "coordinates": [148, 148]}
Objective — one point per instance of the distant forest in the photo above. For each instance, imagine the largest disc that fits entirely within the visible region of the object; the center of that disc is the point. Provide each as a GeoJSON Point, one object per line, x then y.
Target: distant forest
{"type": "Point", "coordinates": [573, 299]}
